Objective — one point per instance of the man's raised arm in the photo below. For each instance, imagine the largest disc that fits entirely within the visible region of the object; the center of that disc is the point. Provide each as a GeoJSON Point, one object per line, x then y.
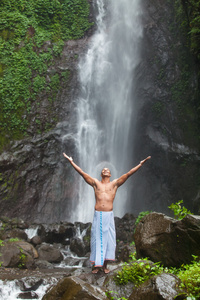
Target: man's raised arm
{"type": "Point", "coordinates": [87, 178]}
{"type": "Point", "coordinates": [124, 177]}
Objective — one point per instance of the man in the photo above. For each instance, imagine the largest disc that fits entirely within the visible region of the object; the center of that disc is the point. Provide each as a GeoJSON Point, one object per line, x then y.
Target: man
{"type": "Point", "coordinates": [103, 237]}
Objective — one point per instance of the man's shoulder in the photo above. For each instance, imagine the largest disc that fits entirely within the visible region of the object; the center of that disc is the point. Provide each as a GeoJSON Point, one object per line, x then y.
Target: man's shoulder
{"type": "Point", "coordinates": [96, 181]}
{"type": "Point", "coordinates": [114, 181]}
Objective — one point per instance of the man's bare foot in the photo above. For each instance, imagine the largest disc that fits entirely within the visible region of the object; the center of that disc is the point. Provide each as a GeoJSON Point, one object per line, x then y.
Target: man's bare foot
{"type": "Point", "coordinates": [95, 271]}
{"type": "Point", "coordinates": [106, 271]}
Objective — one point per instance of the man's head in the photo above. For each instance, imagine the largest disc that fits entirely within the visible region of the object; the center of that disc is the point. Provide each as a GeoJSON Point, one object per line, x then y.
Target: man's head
{"type": "Point", "coordinates": [105, 172]}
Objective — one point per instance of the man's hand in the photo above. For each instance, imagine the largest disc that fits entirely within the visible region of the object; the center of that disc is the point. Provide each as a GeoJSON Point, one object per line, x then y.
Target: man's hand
{"type": "Point", "coordinates": [91, 181]}
{"type": "Point", "coordinates": [67, 157]}
{"type": "Point", "coordinates": [143, 161]}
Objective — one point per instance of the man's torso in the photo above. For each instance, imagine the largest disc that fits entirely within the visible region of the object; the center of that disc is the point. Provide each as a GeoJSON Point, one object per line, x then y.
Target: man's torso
{"type": "Point", "coordinates": [105, 195]}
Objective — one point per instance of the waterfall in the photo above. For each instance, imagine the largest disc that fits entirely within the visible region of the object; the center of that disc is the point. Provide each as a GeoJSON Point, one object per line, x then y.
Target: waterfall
{"type": "Point", "coordinates": [105, 107]}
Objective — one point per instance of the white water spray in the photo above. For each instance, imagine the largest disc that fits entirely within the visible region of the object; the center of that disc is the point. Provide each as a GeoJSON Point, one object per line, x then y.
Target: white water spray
{"type": "Point", "coordinates": [10, 290]}
{"type": "Point", "coordinates": [32, 231]}
{"type": "Point", "coordinates": [105, 106]}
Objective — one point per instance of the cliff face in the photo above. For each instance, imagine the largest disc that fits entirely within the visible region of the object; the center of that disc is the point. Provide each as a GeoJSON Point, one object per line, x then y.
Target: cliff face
{"type": "Point", "coordinates": [37, 184]}
{"type": "Point", "coordinates": [34, 183]}
{"type": "Point", "coordinates": [167, 122]}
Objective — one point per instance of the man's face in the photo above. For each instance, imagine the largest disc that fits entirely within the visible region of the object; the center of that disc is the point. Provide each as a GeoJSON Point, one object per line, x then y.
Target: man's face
{"type": "Point", "coordinates": [105, 172]}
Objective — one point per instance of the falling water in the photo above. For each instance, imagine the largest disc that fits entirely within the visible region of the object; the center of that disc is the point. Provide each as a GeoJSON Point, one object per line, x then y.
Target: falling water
{"type": "Point", "coordinates": [105, 105]}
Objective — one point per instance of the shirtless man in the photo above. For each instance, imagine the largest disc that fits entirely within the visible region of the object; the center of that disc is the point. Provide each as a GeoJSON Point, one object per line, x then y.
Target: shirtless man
{"type": "Point", "coordinates": [103, 242]}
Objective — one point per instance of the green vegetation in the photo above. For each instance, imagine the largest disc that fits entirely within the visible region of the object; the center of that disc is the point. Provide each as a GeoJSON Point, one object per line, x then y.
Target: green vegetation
{"type": "Point", "coordinates": [179, 212]}
{"type": "Point", "coordinates": [138, 271]}
{"type": "Point", "coordinates": [22, 259]}
{"type": "Point", "coordinates": [158, 109]}
{"type": "Point", "coordinates": [188, 15]}
{"type": "Point", "coordinates": [192, 10]}
{"type": "Point", "coordinates": [108, 294]}
{"type": "Point", "coordinates": [32, 35]}
{"type": "Point", "coordinates": [190, 279]}
{"type": "Point", "coordinates": [13, 240]}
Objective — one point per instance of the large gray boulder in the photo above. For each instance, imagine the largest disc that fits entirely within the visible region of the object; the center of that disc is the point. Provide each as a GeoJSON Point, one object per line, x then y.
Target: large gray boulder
{"type": "Point", "coordinates": [49, 253]}
{"type": "Point", "coordinates": [167, 240]}
{"type": "Point", "coordinates": [79, 247]}
{"type": "Point", "coordinates": [164, 286]}
{"type": "Point", "coordinates": [125, 227]}
{"type": "Point", "coordinates": [18, 254]}
{"type": "Point", "coordinates": [76, 289]}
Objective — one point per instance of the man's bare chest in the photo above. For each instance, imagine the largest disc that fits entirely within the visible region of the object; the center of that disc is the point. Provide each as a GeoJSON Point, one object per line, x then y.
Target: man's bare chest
{"type": "Point", "coordinates": [105, 188]}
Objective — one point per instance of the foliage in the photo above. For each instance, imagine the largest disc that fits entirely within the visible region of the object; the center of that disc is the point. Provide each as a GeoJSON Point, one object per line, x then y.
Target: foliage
{"type": "Point", "coordinates": [190, 279]}
{"type": "Point", "coordinates": [179, 212]}
{"type": "Point", "coordinates": [158, 109]}
{"type": "Point", "coordinates": [192, 10]}
{"type": "Point", "coordinates": [133, 256]}
{"type": "Point", "coordinates": [109, 296]}
{"type": "Point", "coordinates": [13, 240]}
{"type": "Point", "coordinates": [137, 272]}
{"type": "Point", "coordinates": [22, 259]}
{"type": "Point", "coordinates": [186, 12]}
{"type": "Point", "coordinates": [32, 33]}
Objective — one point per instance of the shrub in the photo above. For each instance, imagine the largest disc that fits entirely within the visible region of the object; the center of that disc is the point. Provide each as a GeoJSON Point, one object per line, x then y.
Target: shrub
{"type": "Point", "coordinates": [179, 212]}
{"type": "Point", "coordinates": [190, 279]}
{"type": "Point", "coordinates": [138, 272]}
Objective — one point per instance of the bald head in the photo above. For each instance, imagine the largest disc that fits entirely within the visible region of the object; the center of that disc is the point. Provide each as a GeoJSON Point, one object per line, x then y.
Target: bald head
{"type": "Point", "coordinates": [105, 172]}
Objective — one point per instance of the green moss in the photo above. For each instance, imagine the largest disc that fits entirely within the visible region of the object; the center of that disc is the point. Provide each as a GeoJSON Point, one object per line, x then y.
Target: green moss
{"type": "Point", "coordinates": [25, 28]}
{"type": "Point", "coordinates": [158, 109]}
{"type": "Point", "coordinates": [9, 186]}
{"type": "Point", "coordinates": [65, 74]}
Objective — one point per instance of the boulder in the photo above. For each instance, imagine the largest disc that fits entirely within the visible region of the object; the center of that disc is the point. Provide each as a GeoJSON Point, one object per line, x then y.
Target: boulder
{"type": "Point", "coordinates": [56, 233]}
{"type": "Point", "coordinates": [18, 254]}
{"type": "Point", "coordinates": [123, 251]}
{"type": "Point", "coordinates": [70, 261]}
{"type": "Point", "coordinates": [114, 290]}
{"type": "Point", "coordinates": [36, 240]}
{"type": "Point", "coordinates": [33, 287]}
{"type": "Point", "coordinates": [18, 223]}
{"type": "Point", "coordinates": [43, 264]}
{"type": "Point", "coordinates": [164, 286]}
{"type": "Point", "coordinates": [79, 247]}
{"type": "Point", "coordinates": [76, 289]}
{"type": "Point", "coordinates": [27, 247]}
{"type": "Point", "coordinates": [14, 233]}
{"type": "Point", "coordinates": [27, 295]}
{"type": "Point", "coordinates": [166, 240]}
{"type": "Point", "coordinates": [50, 253]}
{"type": "Point", "coordinates": [12, 223]}
{"type": "Point", "coordinates": [125, 228]}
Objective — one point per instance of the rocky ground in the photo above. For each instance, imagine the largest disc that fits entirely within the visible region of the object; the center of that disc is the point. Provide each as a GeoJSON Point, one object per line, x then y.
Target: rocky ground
{"type": "Point", "coordinates": [157, 236]}
{"type": "Point", "coordinates": [16, 273]}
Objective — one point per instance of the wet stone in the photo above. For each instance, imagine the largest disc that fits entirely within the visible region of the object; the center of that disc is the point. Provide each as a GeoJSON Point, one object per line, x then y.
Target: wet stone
{"type": "Point", "coordinates": [28, 295]}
